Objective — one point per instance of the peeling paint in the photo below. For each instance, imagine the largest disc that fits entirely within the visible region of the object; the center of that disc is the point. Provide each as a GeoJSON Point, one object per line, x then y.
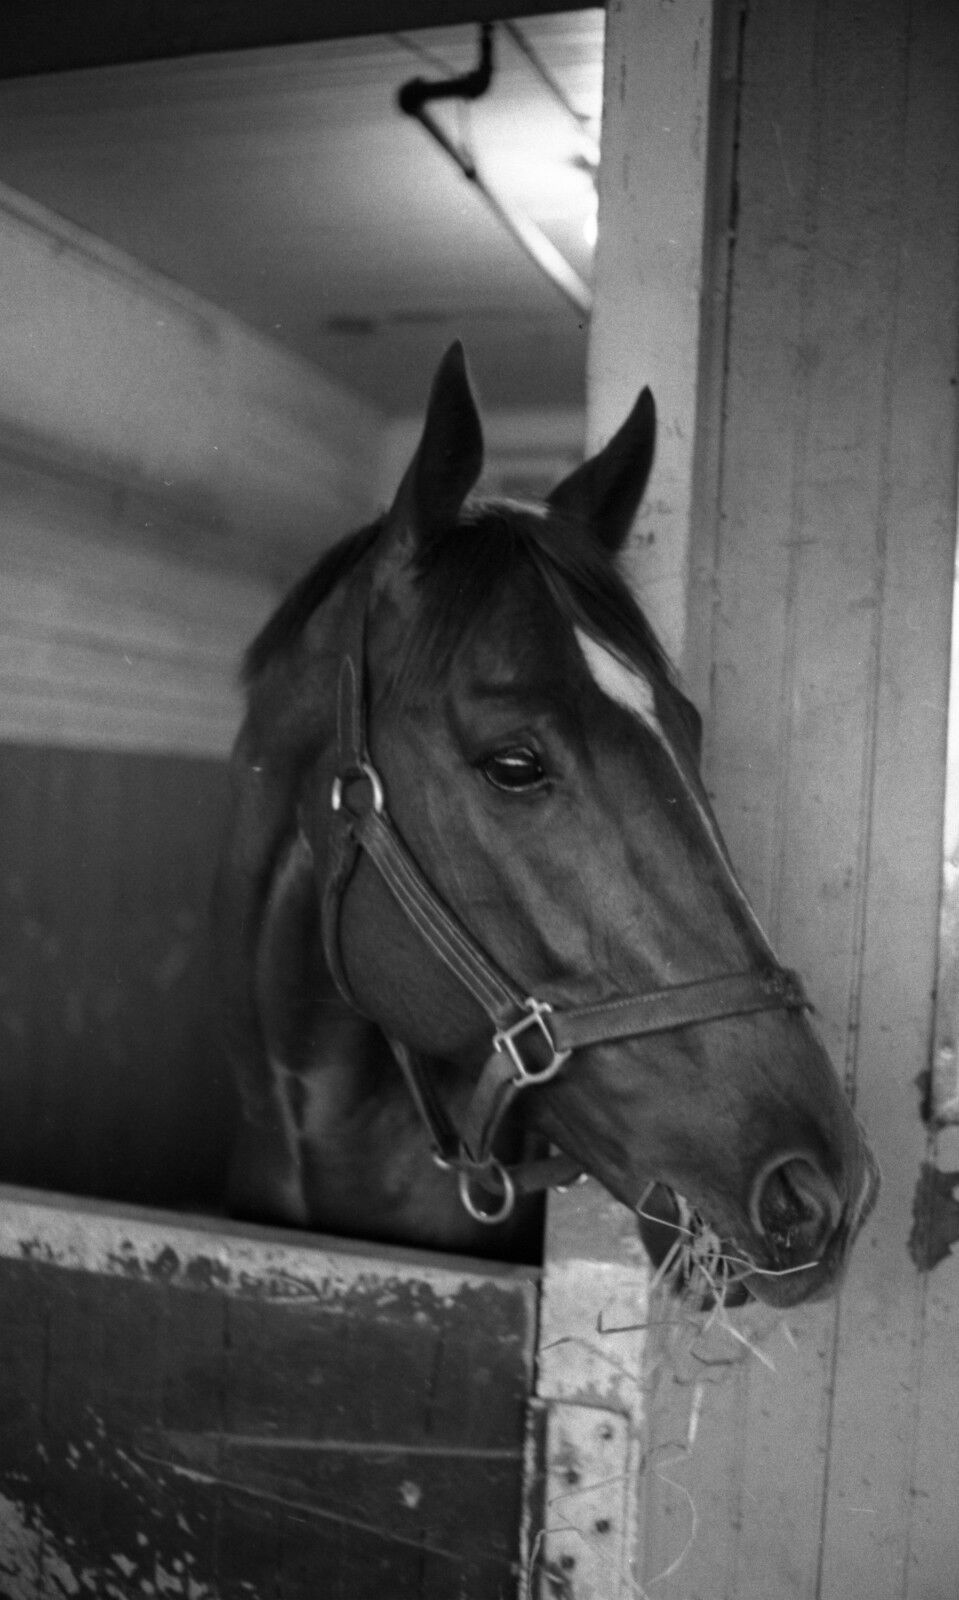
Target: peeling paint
{"type": "Point", "coordinates": [589, 1350]}
{"type": "Point", "coordinates": [171, 1315]}
{"type": "Point", "coordinates": [237, 1261]}
{"type": "Point", "coordinates": [935, 1217]}
{"type": "Point", "coordinates": [33, 1561]}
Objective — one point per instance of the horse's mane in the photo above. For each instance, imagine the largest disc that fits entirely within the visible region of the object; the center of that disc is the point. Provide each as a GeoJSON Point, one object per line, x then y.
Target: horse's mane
{"type": "Point", "coordinates": [463, 574]}
{"type": "Point", "coordinates": [289, 619]}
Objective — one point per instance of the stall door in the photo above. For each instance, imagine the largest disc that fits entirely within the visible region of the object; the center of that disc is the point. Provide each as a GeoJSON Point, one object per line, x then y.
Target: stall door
{"type": "Point", "coordinates": [191, 1410]}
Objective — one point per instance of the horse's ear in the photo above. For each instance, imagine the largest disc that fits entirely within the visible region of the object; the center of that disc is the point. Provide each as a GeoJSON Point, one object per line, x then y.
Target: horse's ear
{"type": "Point", "coordinates": [449, 457]}
{"type": "Point", "coordinates": [606, 490]}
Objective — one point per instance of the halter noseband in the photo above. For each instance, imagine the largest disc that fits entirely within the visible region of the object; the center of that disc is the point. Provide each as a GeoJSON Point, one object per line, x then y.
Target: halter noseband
{"type": "Point", "coordinates": [531, 1041]}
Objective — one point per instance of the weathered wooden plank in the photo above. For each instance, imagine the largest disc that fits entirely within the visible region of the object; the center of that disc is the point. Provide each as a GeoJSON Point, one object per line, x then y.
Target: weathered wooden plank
{"type": "Point", "coordinates": [24, 1330]}
{"type": "Point", "coordinates": [888, 1525]}
{"type": "Point", "coordinates": [646, 326]}
{"type": "Point", "coordinates": [833, 563]}
{"type": "Point", "coordinates": [753, 545]}
{"type": "Point", "coordinates": [820, 869]}
{"type": "Point", "coordinates": [232, 1413]}
{"type": "Point", "coordinates": [195, 1375]}
{"type": "Point", "coordinates": [933, 1482]}
{"type": "Point", "coordinates": [691, 1488]}
{"type": "Point", "coordinates": [101, 1379]}
{"type": "Point", "coordinates": [719, 229]}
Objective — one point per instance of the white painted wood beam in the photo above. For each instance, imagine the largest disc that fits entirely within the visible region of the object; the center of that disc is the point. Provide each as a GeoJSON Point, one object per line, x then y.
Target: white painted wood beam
{"type": "Point", "coordinates": [646, 328]}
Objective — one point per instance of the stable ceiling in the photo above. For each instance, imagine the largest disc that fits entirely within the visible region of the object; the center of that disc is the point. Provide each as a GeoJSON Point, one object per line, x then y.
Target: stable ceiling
{"type": "Point", "coordinates": [284, 185]}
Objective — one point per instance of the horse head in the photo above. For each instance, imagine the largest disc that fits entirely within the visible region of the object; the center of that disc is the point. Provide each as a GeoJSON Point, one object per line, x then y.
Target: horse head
{"type": "Point", "coordinates": [523, 883]}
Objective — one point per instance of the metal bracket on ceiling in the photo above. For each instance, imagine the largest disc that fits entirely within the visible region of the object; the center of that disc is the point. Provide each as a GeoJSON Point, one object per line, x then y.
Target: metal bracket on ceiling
{"type": "Point", "coordinates": [413, 98]}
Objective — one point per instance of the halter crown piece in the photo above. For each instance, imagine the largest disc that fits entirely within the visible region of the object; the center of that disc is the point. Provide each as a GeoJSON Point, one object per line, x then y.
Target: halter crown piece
{"type": "Point", "coordinates": [531, 1041]}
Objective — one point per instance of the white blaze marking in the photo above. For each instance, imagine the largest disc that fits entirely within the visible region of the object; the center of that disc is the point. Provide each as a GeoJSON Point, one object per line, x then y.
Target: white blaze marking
{"type": "Point", "coordinates": [626, 685]}
{"type": "Point", "coordinates": [629, 688]}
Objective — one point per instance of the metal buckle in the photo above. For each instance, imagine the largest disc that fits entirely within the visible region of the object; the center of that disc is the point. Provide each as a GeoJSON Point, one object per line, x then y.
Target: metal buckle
{"type": "Point", "coordinates": [505, 1039]}
{"type": "Point", "coordinates": [362, 769]}
{"type": "Point", "coordinates": [469, 1174]}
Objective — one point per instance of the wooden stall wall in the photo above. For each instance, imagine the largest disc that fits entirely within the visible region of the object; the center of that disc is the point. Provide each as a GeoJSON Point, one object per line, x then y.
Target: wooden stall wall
{"type": "Point", "coordinates": [828, 1465]}
{"type": "Point", "coordinates": [205, 1414]}
{"type": "Point", "coordinates": [162, 472]}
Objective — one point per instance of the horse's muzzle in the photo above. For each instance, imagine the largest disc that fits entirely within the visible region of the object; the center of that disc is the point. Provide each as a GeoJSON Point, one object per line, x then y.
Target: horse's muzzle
{"type": "Point", "coordinates": [801, 1237]}
{"type": "Point", "coordinates": [805, 1229]}
{"type": "Point", "coordinates": [794, 1208]}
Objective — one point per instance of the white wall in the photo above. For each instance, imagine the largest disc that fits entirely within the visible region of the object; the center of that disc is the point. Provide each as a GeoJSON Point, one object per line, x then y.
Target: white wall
{"type": "Point", "coordinates": [164, 471]}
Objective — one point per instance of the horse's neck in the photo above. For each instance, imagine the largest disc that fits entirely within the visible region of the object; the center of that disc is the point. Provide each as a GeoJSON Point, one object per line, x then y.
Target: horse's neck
{"type": "Point", "coordinates": [364, 1157]}
{"type": "Point", "coordinates": [366, 1160]}
{"type": "Point", "coordinates": [357, 1158]}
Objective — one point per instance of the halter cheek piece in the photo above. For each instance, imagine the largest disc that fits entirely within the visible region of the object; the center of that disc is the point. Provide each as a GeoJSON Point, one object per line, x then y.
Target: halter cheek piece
{"type": "Point", "coordinates": [531, 1041]}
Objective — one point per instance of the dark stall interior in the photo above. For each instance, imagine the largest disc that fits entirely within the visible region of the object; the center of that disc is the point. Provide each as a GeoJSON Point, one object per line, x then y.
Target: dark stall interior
{"type": "Point", "coordinates": [113, 1083]}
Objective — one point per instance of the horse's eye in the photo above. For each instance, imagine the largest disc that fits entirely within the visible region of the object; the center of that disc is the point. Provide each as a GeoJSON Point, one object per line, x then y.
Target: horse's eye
{"type": "Point", "coordinates": [514, 770]}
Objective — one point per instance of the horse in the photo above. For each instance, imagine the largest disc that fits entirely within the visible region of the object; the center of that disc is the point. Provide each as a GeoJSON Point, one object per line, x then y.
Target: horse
{"type": "Point", "coordinates": [476, 930]}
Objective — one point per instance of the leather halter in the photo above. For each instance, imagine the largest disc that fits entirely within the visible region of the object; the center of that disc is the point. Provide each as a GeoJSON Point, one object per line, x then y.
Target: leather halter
{"type": "Point", "coordinates": [532, 1041]}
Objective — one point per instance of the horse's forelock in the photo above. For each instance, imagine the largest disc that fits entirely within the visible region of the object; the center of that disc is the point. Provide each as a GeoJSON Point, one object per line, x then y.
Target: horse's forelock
{"type": "Point", "coordinates": [462, 577]}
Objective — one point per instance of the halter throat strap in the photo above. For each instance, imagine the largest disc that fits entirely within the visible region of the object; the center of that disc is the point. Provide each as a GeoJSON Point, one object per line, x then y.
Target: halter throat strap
{"type": "Point", "coordinates": [531, 1040]}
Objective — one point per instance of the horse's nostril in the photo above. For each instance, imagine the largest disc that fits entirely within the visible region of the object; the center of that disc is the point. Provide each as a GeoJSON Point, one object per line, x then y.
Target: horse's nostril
{"type": "Point", "coordinates": [794, 1205]}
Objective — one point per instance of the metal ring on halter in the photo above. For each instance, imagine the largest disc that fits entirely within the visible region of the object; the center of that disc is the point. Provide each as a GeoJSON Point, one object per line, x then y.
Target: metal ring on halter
{"type": "Point", "coordinates": [505, 1039]}
{"type": "Point", "coordinates": [363, 769]}
{"type": "Point", "coordinates": [507, 1203]}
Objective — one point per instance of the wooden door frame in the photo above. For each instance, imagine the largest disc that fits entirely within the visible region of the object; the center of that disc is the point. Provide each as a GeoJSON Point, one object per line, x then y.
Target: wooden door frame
{"type": "Point", "coordinates": [807, 540]}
